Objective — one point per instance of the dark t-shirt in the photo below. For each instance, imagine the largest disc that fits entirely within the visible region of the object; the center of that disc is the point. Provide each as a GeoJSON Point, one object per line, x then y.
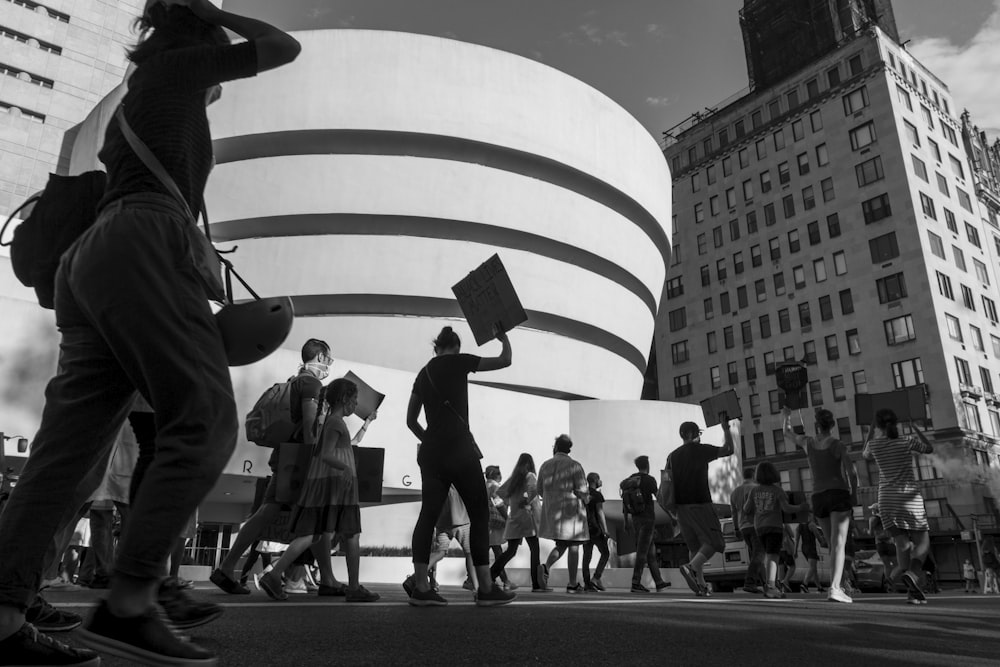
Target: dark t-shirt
{"type": "Point", "coordinates": [165, 106]}
{"type": "Point", "coordinates": [689, 472]}
{"type": "Point", "coordinates": [446, 404]}
{"type": "Point", "coordinates": [596, 497]}
{"type": "Point", "coordinates": [648, 487]}
{"type": "Point", "coordinates": [303, 387]}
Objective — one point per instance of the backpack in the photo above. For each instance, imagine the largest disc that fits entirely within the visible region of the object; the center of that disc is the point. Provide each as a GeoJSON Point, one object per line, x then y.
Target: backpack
{"type": "Point", "coordinates": [269, 423]}
{"type": "Point", "coordinates": [633, 499]}
{"type": "Point", "coordinates": [63, 211]}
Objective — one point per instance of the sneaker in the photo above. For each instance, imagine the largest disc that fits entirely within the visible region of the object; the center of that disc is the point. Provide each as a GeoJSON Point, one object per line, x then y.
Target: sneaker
{"type": "Point", "coordinates": [751, 588]}
{"type": "Point", "coordinates": [340, 590]}
{"type": "Point", "coordinates": [783, 587]}
{"type": "Point", "coordinates": [296, 587]}
{"type": "Point", "coordinates": [47, 618]}
{"type": "Point", "coordinates": [690, 578]}
{"type": "Point", "coordinates": [804, 588]}
{"type": "Point", "coordinates": [256, 582]}
{"type": "Point", "coordinates": [183, 611]}
{"type": "Point", "coordinates": [144, 639]}
{"type": "Point", "coordinates": [706, 591]}
{"type": "Point", "coordinates": [429, 598]}
{"type": "Point", "coordinates": [838, 595]}
{"type": "Point", "coordinates": [432, 580]}
{"type": "Point", "coordinates": [28, 646]}
{"type": "Point", "coordinates": [598, 584]}
{"type": "Point", "coordinates": [409, 586]}
{"type": "Point", "coordinates": [543, 589]}
{"type": "Point", "coordinates": [468, 585]}
{"type": "Point", "coordinates": [272, 587]}
{"type": "Point", "coordinates": [660, 585]}
{"type": "Point", "coordinates": [913, 586]}
{"type": "Point", "coordinates": [510, 586]}
{"type": "Point", "coordinates": [362, 594]}
{"type": "Point", "coordinates": [639, 588]}
{"type": "Point", "coordinates": [494, 598]}
{"type": "Point", "coordinates": [773, 593]}
{"type": "Point", "coordinates": [543, 575]}
{"type": "Point", "coordinates": [912, 600]}
{"type": "Point", "coordinates": [59, 585]}
{"type": "Point", "coordinates": [591, 588]}
{"type": "Point", "coordinates": [227, 584]}
{"type": "Point", "coordinates": [575, 588]}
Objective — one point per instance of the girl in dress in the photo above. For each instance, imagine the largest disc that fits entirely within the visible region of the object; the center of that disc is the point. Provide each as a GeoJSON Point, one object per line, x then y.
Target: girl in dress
{"type": "Point", "coordinates": [520, 492]}
{"type": "Point", "coordinates": [493, 479]}
{"type": "Point", "coordinates": [329, 502]}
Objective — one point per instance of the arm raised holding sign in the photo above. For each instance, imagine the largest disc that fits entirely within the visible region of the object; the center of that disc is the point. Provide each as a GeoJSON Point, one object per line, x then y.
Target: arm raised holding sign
{"type": "Point", "coordinates": [506, 354]}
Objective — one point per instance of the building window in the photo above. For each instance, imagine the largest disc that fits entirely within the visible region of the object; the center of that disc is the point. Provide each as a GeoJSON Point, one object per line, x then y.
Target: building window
{"type": "Point", "coordinates": [677, 319]}
{"type": "Point", "coordinates": [798, 130]}
{"type": "Point", "coordinates": [986, 379]}
{"type": "Point", "coordinates": [728, 339]}
{"type": "Point", "coordinates": [803, 162]}
{"type": "Point", "coordinates": [833, 225]}
{"type": "Point", "coordinates": [899, 330]}
{"type": "Point", "coordinates": [779, 139]}
{"type": "Point", "coordinates": [907, 373]}
{"type": "Point", "coordinates": [710, 172]}
{"type": "Point", "coordinates": [827, 186]}
{"type": "Point", "coordinates": [765, 181]}
{"type": "Point", "coordinates": [981, 272]}
{"type": "Point", "coordinates": [732, 373]}
{"type": "Point", "coordinates": [715, 377]}
{"type": "Point", "coordinates": [755, 256]}
{"type": "Point", "coordinates": [682, 385]}
{"type": "Point", "coordinates": [765, 332]}
{"type": "Point", "coordinates": [738, 262]}
{"type": "Point", "coordinates": [774, 401]}
{"type": "Point", "coordinates": [751, 222]}
{"type": "Point", "coordinates": [761, 147]}
{"type": "Point", "coordinates": [812, 229]}
{"type": "Point", "coordinates": [822, 156]}
{"type": "Point", "coordinates": [904, 97]}
{"type": "Point", "coordinates": [949, 221]}
{"type": "Point", "coordinates": [805, 318]}
{"type": "Point", "coordinates": [853, 342]}
{"type": "Point", "coordinates": [819, 270]}
{"type": "Point", "coordinates": [717, 239]}
{"type": "Point", "coordinates": [761, 290]}
{"type": "Point", "coordinates": [883, 248]}
{"type": "Point", "coordinates": [968, 300]}
{"type": "Point", "coordinates": [832, 348]}
{"type": "Point", "coordinates": [709, 309]}
{"type": "Point", "coordinates": [935, 150]}
{"type": "Point", "coordinates": [862, 135]}
{"type": "Point", "coordinates": [833, 76]}
{"type": "Point", "coordinates": [679, 352]}
{"type": "Point", "coordinates": [724, 303]}
{"type": "Point", "coordinates": [784, 321]}
{"type": "Point", "coordinates": [713, 205]}
{"type": "Point", "coordinates": [815, 393]}
{"type": "Point", "coordinates": [775, 248]}
{"type": "Point", "coordinates": [937, 245]}
{"type": "Point", "coordinates": [891, 288]}
{"type": "Point", "coordinates": [746, 332]}
{"type": "Point", "coordinates": [854, 65]}
{"type": "Point", "coordinates": [944, 285]}
{"type": "Point", "coordinates": [860, 382]}
{"type": "Point", "coordinates": [927, 205]}
{"type": "Point", "coordinates": [730, 198]}
{"type": "Point", "coordinates": [712, 342]}
{"type": "Point", "coordinates": [727, 164]}
{"type": "Point", "coordinates": [769, 217]}
{"type": "Point", "coordinates": [869, 171]}
{"type": "Point", "coordinates": [784, 176]}
{"type": "Point", "coordinates": [954, 327]}
{"type": "Point", "coordinates": [962, 369]}
{"type": "Point", "coordinates": [977, 338]}
{"type": "Point", "coordinates": [876, 208]}
{"type": "Point", "coordinates": [839, 263]}
{"type": "Point", "coordinates": [959, 258]}
{"type": "Point", "coordinates": [769, 363]}
{"type": "Point", "coordinates": [956, 167]}
{"type": "Point", "coordinates": [750, 364]}
{"type": "Point", "coordinates": [855, 101]}
{"type": "Point", "coordinates": [816, 118]}
{"type": "Point", "coordinates": [846, 302]}
{"type": "Point", "coordinates": [794, 245]}
{"type": "Point", "coordinates": [837, 384]}
{"type": "Point", "coordinates": [990, 308]}
{"type": "Point", "coordinates": [747, 190]}
{"type": "Point", "coordinates": [741, 297]}
{"type": "Point", "coordinates": [798, 277]}
{"type": "Point", "coordinates": [911, 133]}
{"type": "Point", "coordinates": [942, 184]}
{"type": "Point", "coordinates": [809, 351]}
{"type": "Point", "coordinates": [702, 244]}
{"type": "Point", "coordinates": [825, 308]}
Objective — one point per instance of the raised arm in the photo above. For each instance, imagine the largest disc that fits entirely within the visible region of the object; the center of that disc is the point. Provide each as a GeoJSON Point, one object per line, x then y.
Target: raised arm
{"type": "Point", "coordinates": [359, 436]}
{"type": "Point", "coordinates": [925, 445]}
{"type": "Point", "coordinates": [275, 47]}
{"type": "Point", "coordinates": [867, 451]}
{"type": "Point", "coordinates": [729, 446]}
{"type": "Point", "coordinates": [789, 430]}
{"type": "Point", "coordinates": [506, 355]}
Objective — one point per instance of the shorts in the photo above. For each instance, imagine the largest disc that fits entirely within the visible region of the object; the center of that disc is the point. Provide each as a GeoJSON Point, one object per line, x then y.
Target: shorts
{"type": "Point", "coordinates": [700, 527]}
{"type": "Point", "coordinates": [827, 502]}
{"type": "Point", "coordinates": [460, 534]}
{"type": "Point", "coordinates": [771, 542]}
{"type": "Point", "coordinates": [786, 559]}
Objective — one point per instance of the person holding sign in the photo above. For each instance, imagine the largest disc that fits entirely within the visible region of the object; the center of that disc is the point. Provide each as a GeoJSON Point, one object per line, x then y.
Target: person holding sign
{"type": "Point", "coordinates": [448, 456]}
{"type": "Point", "coordinates": [835, 481]}
{"type": "Point", "coordinates": [900, 504]}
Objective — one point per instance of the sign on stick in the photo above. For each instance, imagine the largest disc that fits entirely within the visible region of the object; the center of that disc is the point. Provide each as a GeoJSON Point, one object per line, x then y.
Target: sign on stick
{"type": "Point", "coordinates": [727, 402]}
{"type": "Point", "coordinates": [792, 380]}
{"type": "Point", "coordinates": [487, 297]}
{"type": "Point", "coordinates": [909, 404]}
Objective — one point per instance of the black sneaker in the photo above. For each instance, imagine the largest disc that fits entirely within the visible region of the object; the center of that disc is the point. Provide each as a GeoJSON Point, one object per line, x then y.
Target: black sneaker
{"type": "Point", "coordinates": [184, 611]}
{"type": "Point", "coordinates": [28, 646]}
{"type": "Point", "coordinates": [144, 639]}
{"type": "Point", "coordinates": [639, 588]}
{"type": "Point", "coordinates": [576, 588]}
{"type": "Point", "coordinates": [226, 583]}
{"type": "Point", "coordinates": [47, 618]}
{"type": "Point", "coordinates": [913, 586]}
{"type": "Point", "coordinates": [660, 585]}
{"type": "Point", "coordinates": [428, 598]}
{"type": "Point", "coordinates": [409, 586]}
{"type": "Point", "coordinates": [496, 597]}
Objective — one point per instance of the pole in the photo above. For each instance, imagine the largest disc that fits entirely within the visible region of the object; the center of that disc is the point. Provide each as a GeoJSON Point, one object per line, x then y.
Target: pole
{"type": "Point", "coordinates": [979, 549]}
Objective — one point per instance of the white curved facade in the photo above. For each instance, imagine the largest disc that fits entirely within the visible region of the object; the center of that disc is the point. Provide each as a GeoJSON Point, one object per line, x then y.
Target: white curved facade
{"type": "Point", "coordinates": [370, 175]}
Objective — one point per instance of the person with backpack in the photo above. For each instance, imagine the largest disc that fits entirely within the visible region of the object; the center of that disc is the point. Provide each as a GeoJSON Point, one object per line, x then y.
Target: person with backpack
{"type": "Point", "coordinates": [638, 497]}
{"type": "Point", "coordinates": [597, 524]}
{"type": "Point", "coordinates": [563, 488]}
{"type": "Point", "coordinates": [766, 503]}
{"type": "Point", "coordinates": [292, 414]}
{"type": "Point", "coordinates": [448, 456]}
{"type": "Point", "coordinates": [131, 303]}
{"type": "Point", "coordinates": [753, 582]}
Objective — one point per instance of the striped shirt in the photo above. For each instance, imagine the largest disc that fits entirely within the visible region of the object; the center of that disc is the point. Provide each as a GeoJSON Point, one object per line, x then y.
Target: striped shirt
{"type": "Point", "coordinates": [895, 459]}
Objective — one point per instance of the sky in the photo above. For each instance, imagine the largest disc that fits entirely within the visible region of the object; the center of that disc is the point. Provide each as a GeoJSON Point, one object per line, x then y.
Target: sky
{"type": "Point", "coordinates": [660, 59]}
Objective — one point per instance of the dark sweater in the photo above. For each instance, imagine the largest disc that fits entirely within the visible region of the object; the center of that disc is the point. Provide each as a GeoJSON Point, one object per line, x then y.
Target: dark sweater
{"type": "Point", "coordinates": [165, 106]}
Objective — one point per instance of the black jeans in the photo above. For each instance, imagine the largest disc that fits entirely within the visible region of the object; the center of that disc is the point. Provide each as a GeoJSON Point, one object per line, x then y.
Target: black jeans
{"type": "Point", "coordinates": [467, 478]}
{"type": "Point", "coordinates": [500, 563]}
{"type": "Point", "coordinates": [133, 315]}
{"type": "Point", "coordinates": [645, 550]}
{"type": "Point", "coordinates": [601, 542]}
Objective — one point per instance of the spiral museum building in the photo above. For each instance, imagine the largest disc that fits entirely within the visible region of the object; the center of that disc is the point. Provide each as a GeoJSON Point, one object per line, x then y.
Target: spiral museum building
{"type": "Point", "coordinates": [376, 171]}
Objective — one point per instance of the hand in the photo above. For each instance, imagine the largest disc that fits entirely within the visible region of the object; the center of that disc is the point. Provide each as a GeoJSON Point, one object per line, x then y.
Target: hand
{"type": "Point", "coordinates": [499, 333]}
{"type": "Point", "coordinates": [372, 417]}
{"type": "Point", "coordinates": [786, 412]}
{"type": "Point", "coordinates": [724, 418]}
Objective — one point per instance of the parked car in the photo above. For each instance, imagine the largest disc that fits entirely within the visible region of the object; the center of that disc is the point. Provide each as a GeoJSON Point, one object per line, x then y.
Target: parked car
{"type": "Point", "coordinates": [871, 574]}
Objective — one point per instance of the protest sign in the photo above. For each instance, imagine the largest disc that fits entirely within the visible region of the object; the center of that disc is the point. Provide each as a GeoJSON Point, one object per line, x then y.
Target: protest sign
{"type": "Point", "coordinates": [369, 400]}
{"type": "Point", "coordinates": [727, 403]}
{"type": "Point", "coordinates": [909, 404]}
{"type": "Point", "coordinates": [487, 297]}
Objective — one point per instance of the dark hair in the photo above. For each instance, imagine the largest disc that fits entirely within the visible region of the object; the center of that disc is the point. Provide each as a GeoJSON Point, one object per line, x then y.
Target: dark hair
{"type": "Point", "coordinates": [339, 391]}
{"type": "Point", "coordinates": [313, 348]}
{"type": "Point", "coordinates": [518, 478]}
{"type": "Point", "coordinates": [172, 27]}
{"type": "Point", "coordinates": [767, 473]}
{"type": "Point", "coordinates": [446, 340]}
{"type": "Point", "coordinates": [642, 462]}
{"type": "Point", "coordinates": [563, 444]}
{"type": "Point", "coordinates": [825, 420]}
{"type": "Point", "coordinates": [593, 478]}
{"type": "Point", "coordinates": [748, 473]}
{"type": "Point", "coordinates": [886, 420]}
{"type": "Point", "coordinates": [492, 472]}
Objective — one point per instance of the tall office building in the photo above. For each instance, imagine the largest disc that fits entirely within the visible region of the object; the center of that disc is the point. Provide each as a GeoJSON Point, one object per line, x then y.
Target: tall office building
{"type": "Point", "coordinates": [59, 58]}
{"type": "Point", "coordinates": [837, 214]}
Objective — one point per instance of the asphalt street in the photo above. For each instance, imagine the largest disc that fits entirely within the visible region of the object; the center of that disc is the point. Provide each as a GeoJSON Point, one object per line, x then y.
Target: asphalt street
{"type": "Point", "coordinates": [616, 627]}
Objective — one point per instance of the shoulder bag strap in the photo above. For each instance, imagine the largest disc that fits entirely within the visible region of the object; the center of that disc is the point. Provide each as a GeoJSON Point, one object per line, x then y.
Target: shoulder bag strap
{"type": "Point", "coordinates": [30, 200]}
{"type": "Point", "coordinates": [446, 402]}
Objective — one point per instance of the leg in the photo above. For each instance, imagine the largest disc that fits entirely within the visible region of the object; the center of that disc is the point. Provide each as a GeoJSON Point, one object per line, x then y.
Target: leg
{"type": "Point", "coordinates": [835, 527]}
{"type": "Point", "coordinates": [251, 530]}
{"type": "Point", "coordinates": [789, 572]}
{"type": "Point", "coordinates": [321, 552]}
{"type": "Point", "coordinates": [294, 550]}
{"type": "Point", "coordinates": [573, 561]}
{"type": "Point", "coordinates": [468, 482]}
{"type": "Point", "coordinates": [557, 552]}
{"type": "Point", "coordinates": [102, 542]}
{"type": "Point", "coordinates": [535, 559]}
{"type": "Point", "coordinates": [249, 563]}
{"type": "Point", "coordinates": [602, 562]}
{"type": "Point", "coordinates": [497, 553]}
{"type": "Point", "coordinates": [771, 569]}
{"type": "Point", "coordinates": [352, 547]}
{"type": "Point", "coordinates": [144, 427]}
{"type": "Point", "coordinates": [588, 552]}
{"type": "Point", "coordinates": [434, 494]}
{"type": "Point", "coordinates": [176, 556]}
{"type": "Point", "coordinates": [643, 540]}
{"type": "Point", "coordinates": [505, 557]}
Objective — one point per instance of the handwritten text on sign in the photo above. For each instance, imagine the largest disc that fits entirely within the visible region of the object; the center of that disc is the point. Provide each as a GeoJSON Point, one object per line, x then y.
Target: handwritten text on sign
{"type": "Point", "coordinates": [487, 297]}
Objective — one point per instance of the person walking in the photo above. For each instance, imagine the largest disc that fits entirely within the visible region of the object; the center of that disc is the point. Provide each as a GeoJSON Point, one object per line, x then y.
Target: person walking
{"type": "Point", "coordinates": [498, 509]}
{"type": "Point", "coordinates": [900, 504]}
{"type": "Point", "coordinates": [304, 403]}
{"type": "Point", "coordinates": [563, 488]}
{"type": "Point", "coordinates": [699, 524]}
{"type": "Point", "coordinates": [835, 481]}
{"type": "Point", "coordinates": [786, 558]}
{"type": "Point", "coordinates": [146, 325]}
{"type": "Point", "coordinates": [452, 525]}
{"type": "Point", "coordinates": [766, 503]}
{"type": "Point", "coordinates": [753, 582]}
{"type": "Point", "coordinates": [597, 525]}
{"type": "Point", "coordinates": [969, 575]}
{"type": "Point", "coordinates": [520, 491]}
{"type": "Point", "coordinates": [448, 456]}
{"type": "Point", "coordinates": [643, 525]}
{"type": "Point", "coordinates": [329, 500]}
{"type": "Point", "coordinates": [807, 539]}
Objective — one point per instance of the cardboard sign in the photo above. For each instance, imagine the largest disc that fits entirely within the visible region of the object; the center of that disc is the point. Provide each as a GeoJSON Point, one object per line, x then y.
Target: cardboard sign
{"type": "Point", "coordinates": [369, 400]}
{"type": "Point", "coordinates": [293, 466]}
{"type": "Point", "coordinates": [793, 379]}
{"type": "Point", "coordinates": [370, 462]}
{"type": "Point", "coordinates": [909, 404]}
{"type": "Point", "coordinates": [487, 297]}
{"type": "Point", "coordinates": [727, 402]}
